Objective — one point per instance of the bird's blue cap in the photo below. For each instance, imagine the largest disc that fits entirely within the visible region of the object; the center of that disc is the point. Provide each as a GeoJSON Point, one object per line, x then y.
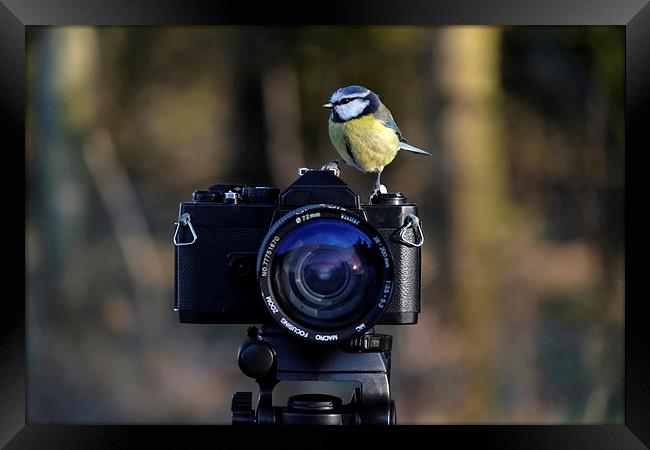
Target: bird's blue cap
{"type": "Point", "coordinates": [349, 91]}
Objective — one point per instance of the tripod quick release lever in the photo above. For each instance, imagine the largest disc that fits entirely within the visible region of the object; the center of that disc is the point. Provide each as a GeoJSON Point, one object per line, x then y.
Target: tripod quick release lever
{"type": "Point", "coordinates": [370, 343]}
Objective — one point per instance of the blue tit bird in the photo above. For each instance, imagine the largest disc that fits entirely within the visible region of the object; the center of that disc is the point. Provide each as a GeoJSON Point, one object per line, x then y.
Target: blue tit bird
{"type": "Point", "coordinates": [364, 132]}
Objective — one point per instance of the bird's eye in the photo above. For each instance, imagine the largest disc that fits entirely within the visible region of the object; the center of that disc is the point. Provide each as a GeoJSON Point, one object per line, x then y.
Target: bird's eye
{"type": "Point", "coordinates": [345, 100]}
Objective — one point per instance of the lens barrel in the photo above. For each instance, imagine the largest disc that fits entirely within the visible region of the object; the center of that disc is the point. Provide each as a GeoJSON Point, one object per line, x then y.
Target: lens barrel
{"type": "Point", "coordinates": [325, 273]}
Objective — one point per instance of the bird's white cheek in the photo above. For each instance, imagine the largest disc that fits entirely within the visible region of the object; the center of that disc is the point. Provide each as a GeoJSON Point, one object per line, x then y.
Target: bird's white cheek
{"type": "Point", "coordinates": [352, 109]}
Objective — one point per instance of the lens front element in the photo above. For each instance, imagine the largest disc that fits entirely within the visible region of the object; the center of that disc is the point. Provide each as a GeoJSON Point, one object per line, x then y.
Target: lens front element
{"type": "Point", "coordinates": [325, 270]}
{"type": "Point", "coordinates": [325, 273]}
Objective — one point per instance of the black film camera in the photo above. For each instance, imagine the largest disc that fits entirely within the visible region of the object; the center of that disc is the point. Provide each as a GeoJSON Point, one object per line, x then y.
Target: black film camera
{"type": "Point", "coordinates": [318, 270]}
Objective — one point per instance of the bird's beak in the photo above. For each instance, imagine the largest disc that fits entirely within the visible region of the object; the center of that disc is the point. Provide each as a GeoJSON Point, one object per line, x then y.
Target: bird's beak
{"type": "Point", "coordinates": [327, 105]}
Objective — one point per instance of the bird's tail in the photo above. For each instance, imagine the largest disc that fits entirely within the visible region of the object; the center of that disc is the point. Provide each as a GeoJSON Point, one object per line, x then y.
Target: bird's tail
{"type": "Point", "coordinates": [410, 148]}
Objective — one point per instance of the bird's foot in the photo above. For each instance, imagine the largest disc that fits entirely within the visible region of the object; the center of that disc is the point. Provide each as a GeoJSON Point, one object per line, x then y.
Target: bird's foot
{"type": "Point", "coordinates": [333, 166]}
{"type": "Point", "coordinates": [378, 189]}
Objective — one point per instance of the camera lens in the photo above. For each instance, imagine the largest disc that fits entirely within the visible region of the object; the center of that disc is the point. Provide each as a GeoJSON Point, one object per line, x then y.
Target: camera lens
{"type": "Point", "coordinates": [325, 273]}
{"type": "Point", "coordinates": [325, 270]}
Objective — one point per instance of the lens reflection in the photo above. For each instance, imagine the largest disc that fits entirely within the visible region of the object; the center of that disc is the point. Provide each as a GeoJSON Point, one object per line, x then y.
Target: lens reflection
{"type": "Point", "coordinates": [323, 273]}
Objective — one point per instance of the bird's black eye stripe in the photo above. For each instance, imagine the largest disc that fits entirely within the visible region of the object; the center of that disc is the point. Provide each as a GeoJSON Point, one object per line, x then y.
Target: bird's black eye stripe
{"type": "Point", "coordinates": [345, 100]}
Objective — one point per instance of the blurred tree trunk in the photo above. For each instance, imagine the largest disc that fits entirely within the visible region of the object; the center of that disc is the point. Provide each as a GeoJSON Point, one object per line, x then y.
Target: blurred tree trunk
{"type": "Point", "coordinates": [268, 75]}
{"type": "Point", "coordinates": [469, 74]}
{"type": "Point", "coordinates": [60, 188]}
{"type": "Point", "coordinates": [247, 120]}
{"type": "Point", "coordinates": [57, 203]}
{"type": "Point", "coordinates": [282, 116]}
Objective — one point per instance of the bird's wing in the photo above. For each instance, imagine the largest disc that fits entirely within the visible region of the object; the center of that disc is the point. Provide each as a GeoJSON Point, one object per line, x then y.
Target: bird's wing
{"type": "Point", "coordinates": [384, 115]}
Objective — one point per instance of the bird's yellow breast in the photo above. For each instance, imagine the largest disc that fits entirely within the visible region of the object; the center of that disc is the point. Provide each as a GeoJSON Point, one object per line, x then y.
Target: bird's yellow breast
{"type": "Point", "coordinates": [372, 145]}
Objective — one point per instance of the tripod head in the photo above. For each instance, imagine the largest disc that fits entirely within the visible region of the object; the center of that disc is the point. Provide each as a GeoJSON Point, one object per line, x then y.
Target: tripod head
{"type": "Point", "coordinates": [271, 355]}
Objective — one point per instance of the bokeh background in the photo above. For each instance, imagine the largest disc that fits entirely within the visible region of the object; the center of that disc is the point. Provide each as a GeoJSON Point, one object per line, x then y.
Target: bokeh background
{"type": "Point", "coordinates": [522, 206]}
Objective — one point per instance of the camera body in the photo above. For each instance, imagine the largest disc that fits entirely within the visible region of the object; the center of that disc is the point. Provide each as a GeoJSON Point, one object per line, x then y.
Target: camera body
{"type": "Point", "coordinates": [225, 239]}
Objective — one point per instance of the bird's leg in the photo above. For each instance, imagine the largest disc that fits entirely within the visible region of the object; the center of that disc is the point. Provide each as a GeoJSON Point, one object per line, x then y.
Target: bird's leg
{"type": "Point", "coordinates": [333, 166]}
{"type": "Point", "coordinates": [378, 188]}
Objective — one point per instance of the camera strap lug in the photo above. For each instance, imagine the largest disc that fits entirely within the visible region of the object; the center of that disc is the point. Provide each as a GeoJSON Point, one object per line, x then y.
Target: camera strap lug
{"type": "Point", "coordinates": [184, 220]}
{"type": "Point", "coordinates": [412, 221]}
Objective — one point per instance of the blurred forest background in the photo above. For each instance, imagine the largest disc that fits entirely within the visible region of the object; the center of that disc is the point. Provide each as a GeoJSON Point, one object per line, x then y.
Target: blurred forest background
{"type": "Point", "coordinates": [522, 206]}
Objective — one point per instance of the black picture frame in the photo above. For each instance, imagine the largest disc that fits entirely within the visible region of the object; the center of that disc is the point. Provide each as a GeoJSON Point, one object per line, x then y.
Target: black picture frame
{"type": "Point", "coordinates": [634, 15]}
